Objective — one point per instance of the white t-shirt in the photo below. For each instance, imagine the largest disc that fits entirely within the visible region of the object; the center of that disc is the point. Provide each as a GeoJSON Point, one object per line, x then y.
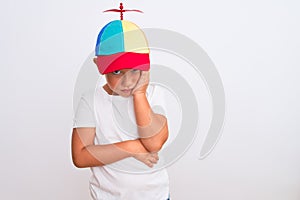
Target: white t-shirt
{"type": "Point", "coordinates": [114, 119]}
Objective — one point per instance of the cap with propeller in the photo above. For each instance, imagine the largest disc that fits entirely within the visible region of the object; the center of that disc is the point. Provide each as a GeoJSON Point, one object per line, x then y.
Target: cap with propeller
{"type": "Point", "coordinates": [121, 44]}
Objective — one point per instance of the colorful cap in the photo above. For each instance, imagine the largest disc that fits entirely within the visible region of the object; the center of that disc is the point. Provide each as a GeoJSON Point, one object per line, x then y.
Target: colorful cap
{"type": "Point", "coordinates": [121, 44]}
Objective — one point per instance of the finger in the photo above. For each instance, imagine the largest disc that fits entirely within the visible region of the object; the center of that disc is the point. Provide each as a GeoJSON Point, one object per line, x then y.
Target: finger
{"type": "Point", "coordinates": [154, 160]}
{"type": "Point", "coordinates": [143, 80]}
{"type": "Point", "coordinates": [145, 74]}
{"type": "Point", "coordinates": [149, 164]}
{"type": "Point", "coordinates": [145, 71]}
{"type": "Point", "coordinates": [156, 156]}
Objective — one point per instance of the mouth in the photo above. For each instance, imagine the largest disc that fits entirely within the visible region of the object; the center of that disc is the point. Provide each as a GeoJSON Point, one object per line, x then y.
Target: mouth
{"type": "Point", "coordinates": [127, 91]}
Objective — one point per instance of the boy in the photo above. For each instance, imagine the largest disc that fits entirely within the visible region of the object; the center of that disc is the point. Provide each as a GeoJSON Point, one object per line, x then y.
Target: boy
{"type": "Point", "coordinates": [103, 144]}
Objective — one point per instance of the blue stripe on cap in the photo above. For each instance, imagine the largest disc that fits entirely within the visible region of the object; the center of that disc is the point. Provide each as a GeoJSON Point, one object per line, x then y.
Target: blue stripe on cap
{"type": "Point", "coordinates": [110, 39]}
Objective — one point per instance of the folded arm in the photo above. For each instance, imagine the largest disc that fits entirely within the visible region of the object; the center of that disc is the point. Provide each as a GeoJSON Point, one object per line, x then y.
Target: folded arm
{"type": "Point", "coordinates": [86, 154]}
{"type": "Point", "coordinates": [152, 127]}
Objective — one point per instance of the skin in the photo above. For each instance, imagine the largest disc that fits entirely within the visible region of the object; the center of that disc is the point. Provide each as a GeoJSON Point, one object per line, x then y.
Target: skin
{"type": "Point", "coordinates": [153, 129]}
{"type": "Point", "coordinates": [122, 82]}
{"type": "Point", "coordinates": [86, 154]}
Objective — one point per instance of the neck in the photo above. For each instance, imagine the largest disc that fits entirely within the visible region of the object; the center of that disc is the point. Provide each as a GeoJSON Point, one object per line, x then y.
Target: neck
{"type": "Point", "coordinates": [108, 90]}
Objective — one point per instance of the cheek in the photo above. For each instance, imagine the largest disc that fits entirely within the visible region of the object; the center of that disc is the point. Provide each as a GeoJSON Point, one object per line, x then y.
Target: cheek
{"type": "Point", "coordinates": [112, 82]}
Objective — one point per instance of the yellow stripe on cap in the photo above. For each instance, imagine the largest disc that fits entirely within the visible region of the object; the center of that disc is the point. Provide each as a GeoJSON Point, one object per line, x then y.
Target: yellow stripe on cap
{"type": "Point", "coordinates": [134, 38]}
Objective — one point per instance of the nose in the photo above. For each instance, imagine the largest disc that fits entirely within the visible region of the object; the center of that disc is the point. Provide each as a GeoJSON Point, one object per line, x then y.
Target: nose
{"type": "Point", "coordinates": [127, 80]}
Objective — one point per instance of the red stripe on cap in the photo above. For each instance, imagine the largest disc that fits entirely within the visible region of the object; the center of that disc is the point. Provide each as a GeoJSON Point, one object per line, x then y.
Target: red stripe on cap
{"type": "Point", "coordinates": [123, 60]}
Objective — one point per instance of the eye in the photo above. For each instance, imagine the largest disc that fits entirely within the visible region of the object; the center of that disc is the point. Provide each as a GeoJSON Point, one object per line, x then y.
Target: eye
{"type": "Point", "coordinates": [117, 72]}
{"type": "Point", "coordinates": [135, 70]}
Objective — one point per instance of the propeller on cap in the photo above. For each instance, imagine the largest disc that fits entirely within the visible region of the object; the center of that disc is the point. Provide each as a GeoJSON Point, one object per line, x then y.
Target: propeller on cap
{"type": "Point", "coordinates": [121, 11]}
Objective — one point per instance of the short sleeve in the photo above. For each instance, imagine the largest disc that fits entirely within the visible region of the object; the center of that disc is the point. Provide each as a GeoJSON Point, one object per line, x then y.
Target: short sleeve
{"type": "Point", "coordinates": [84, 115]}
{"type": "Point", "coordinates": [163, 101]}
{"type": "Point", "coordinates": [158, 99]}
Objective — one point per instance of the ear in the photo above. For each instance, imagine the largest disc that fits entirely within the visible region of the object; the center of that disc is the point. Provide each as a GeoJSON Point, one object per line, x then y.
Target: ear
{"type": "Point", "coordinates": [95, 60]}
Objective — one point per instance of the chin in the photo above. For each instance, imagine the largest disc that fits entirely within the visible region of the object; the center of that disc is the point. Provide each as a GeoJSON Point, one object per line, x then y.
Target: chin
{"type": "Point", "coordinates": [125, 95]}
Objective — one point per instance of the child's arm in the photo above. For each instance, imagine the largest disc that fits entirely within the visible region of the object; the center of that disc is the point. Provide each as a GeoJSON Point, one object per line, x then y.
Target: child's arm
{"type": "Point", "coordinates": [152, 127]}
{"type": "Point", "coordinates": [86, 154]}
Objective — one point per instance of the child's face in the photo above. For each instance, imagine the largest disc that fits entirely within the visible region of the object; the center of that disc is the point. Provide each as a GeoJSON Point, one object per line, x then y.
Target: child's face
{"type": "Point", "coordinates": [122, 82]}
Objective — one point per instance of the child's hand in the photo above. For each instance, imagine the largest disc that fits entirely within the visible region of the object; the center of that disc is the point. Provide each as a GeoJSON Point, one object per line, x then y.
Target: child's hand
{"type": "Point", "coordinates": [141, 154]}
{"type": "Point", "coordinates": [148, 159]}
{"type": "Point", "coordinates": [142, 84]}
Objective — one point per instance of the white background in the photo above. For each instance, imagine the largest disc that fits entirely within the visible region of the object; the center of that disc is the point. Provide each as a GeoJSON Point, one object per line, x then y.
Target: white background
{"type": "Point", "coordinates": [254, 44]}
